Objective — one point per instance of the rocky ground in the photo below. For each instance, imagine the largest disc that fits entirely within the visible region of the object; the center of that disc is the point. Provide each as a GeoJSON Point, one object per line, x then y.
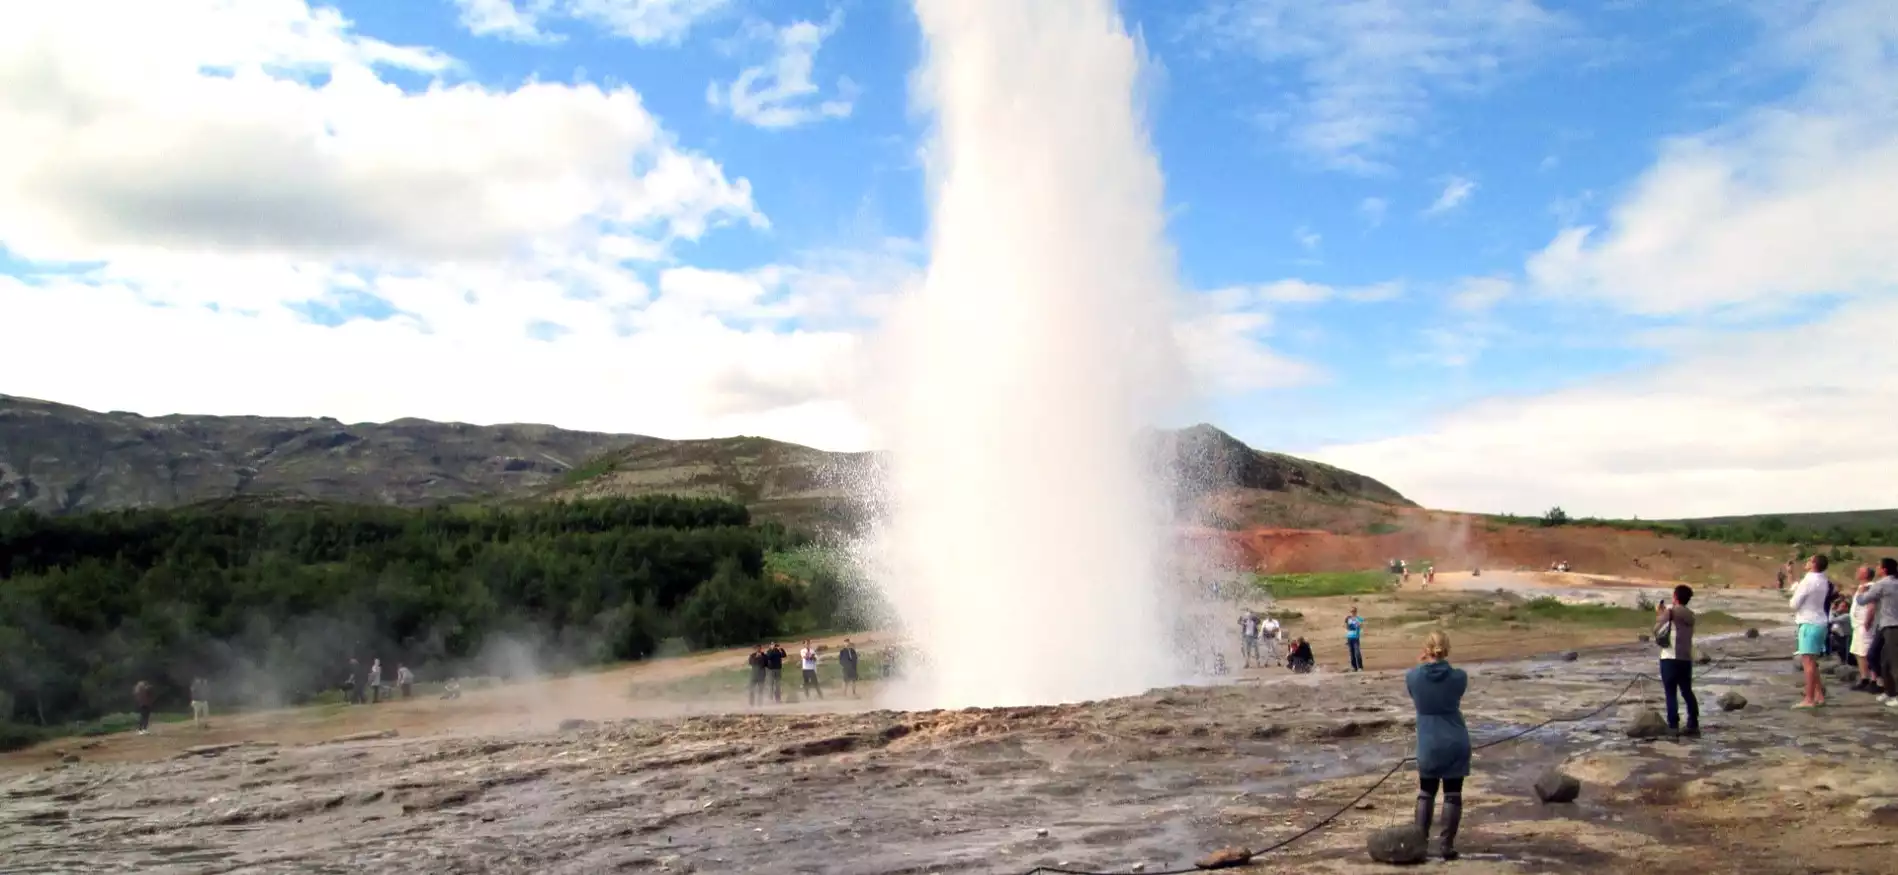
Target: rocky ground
{"type": "Point", "coordinates": [1148, 783]}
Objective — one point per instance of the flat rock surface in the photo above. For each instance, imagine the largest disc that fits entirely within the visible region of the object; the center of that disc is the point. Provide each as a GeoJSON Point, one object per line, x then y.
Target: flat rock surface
{"type": "Point", "coordinates": [1158, 780]}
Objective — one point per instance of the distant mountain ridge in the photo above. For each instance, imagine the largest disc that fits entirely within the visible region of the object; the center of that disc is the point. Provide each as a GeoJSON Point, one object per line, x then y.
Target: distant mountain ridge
{"type": "Point", "coordinates": [60, 459]}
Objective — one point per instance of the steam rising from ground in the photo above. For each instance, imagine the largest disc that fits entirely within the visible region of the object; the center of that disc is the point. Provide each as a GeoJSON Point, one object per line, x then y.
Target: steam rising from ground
{"type": "Point", "coordinates": [1023, 551]}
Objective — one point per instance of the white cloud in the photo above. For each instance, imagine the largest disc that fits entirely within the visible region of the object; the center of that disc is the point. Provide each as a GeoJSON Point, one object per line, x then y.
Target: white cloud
{"type": "Point", "coordinates": [218, 170]}
{"type": "Point", "coordinates": [1296, 291]}
{"type": "Point", "coordinates": [1373, 209]}
{"type": "Point", "coordinates": [1456, 191]}
{"type": "Point", "coordinates": [1479, 293]}
{"type": "Point", "coordinates": [646, 22]}
{"type": "Point", "coordinates": [1789, 201]}
{"type": "Point", "coordinates": [200, 128]}
{"type": "Point", "coordinates": [507, 19]}
{"type": "Point", "coordinates": [1223, 337]}
{"type": "Point", "coordinates": [677, 374]}
{"type": "Point", "coordinates": [1307, 238]}
{"type": "Point", "coordinates": [1367, 70]}
{"type": "Point", "coordinates": [1773, 421]}
{"type": "Point", "coordinates": [781, 93]}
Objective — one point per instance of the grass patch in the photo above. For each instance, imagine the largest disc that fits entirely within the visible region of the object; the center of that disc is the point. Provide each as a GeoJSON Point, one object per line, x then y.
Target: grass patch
{"type": "Point", "coordinates": [1325, 583]}
{"type": "Point", "coordinates": [598, 466]}
{"type": "Point", "coordinates": [1383, 529]}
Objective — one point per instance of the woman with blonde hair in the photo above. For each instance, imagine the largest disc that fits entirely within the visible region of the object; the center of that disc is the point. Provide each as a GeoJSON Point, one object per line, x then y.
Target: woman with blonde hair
{"type": "Point", "coordinates": [1443, 741]}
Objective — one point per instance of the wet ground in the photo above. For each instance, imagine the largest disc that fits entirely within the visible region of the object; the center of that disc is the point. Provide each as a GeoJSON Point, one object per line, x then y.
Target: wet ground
{"type": "Point", "coordinates": [1150, 782]}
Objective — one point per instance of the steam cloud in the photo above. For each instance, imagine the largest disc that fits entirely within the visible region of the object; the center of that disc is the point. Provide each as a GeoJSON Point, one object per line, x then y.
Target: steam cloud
{"type": "Point", "coordinates": [1024, 549]}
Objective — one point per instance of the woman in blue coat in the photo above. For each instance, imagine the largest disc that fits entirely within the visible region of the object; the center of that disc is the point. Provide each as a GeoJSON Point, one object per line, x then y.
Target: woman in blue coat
{"type": "Point", "coordinates": [1443, 742]}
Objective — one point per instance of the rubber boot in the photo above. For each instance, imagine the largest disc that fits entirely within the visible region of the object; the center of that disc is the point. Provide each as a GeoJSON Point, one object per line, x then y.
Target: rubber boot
{"type": "Point", "coordinates": [1452, 818]}
{"type": "Point", "coordinates": [1426, 806]}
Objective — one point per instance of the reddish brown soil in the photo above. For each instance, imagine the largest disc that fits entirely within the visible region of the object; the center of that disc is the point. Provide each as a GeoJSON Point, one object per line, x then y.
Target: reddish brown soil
{"type": "Point", "coordinates": [1459, 542]}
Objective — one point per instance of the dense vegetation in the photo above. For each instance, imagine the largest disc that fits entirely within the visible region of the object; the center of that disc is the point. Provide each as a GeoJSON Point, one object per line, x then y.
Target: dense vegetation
{"type": "Point", "coordinates": [1836, 530]}
{"type": "Point", "coordinates": [270, 603]}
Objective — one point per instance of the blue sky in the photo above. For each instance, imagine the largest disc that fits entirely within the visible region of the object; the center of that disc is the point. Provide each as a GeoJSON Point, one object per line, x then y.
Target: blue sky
{"type": "Point", "coordinates": [450, 197]}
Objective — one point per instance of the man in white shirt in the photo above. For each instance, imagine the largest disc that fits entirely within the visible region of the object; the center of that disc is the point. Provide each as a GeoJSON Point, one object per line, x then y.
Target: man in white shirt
{"type": "Point", "coordinates": [808, 662]}
{"type": "Point", "coordinates": [1811, 616]}
{"type": "Point", "coordinates": [1882, 594]}
{"type": "Point", "coordinates": [1269, 639]}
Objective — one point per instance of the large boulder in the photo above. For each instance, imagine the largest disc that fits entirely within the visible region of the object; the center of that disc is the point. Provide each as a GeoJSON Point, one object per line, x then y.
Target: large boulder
{"type": "Point", "coordinates": [1646, 723]}
{"type": "Point", "coordinates": [1555, 788]}
{"type": "Point", "coordinates": [1399, 845]}
{"type": "Point", "coordinates": [1731, 701]}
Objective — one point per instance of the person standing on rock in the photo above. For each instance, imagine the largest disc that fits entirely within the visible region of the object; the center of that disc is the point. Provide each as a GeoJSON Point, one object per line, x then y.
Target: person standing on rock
{"type": "Point", "coordinates": [1269, 639]}
{"type": "Point", "coordinates": [1808, 602]}
{"type": "Point", "coordinates": [1882, 596]}
{"type": "Point", "coordinates": [1353, 629]}
{"type": "Point", "coordinates": [774, 671]}
{"type": "Point", "coordinates": [754, 693]}
{"type": "Point", "coordinates": [142, 696]}
{"type": "Point", "coordinates": [807, 660]}
{"type": "Point", "coordinates": [1674, 631]}
{"type": "Point", "coordinates": [1249, 638]}
{"type": "Point", "coordinates": [200, 703]}
{"type": "Point", "coordinates": [1443, 741]}
{"type": "Point", "coordinates": [847, 660]}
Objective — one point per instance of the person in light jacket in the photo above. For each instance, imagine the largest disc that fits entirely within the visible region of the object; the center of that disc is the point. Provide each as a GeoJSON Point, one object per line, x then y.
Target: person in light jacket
{"type": "Point", "coordinates": [1443, 741]}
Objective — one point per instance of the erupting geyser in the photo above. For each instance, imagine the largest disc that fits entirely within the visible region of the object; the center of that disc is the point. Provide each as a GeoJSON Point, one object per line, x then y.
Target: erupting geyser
{"type": "Point", "coordinates": [1024, 548]}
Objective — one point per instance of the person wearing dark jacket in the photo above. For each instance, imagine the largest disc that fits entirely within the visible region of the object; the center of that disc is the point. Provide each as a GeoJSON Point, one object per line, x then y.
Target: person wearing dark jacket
{"type": "Point", "coordinates": [774, 668]}
{"type": "Point", "coordinates": [143, 695]}
{"type": "Point", "coordinates": [1443, 741]}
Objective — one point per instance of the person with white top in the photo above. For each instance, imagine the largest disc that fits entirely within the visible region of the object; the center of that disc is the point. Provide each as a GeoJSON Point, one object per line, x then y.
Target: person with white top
{"type": "Point", "coordinates": [1269, 638]}
{"type": "Point", "coordinates": [1882, 596]}
{"type": "Point", "coordinates": [1810, 616]}
{"type": "Point", "coordinates": [808, 661]}
{"type": "Point", "coordinates": [1862, 634]}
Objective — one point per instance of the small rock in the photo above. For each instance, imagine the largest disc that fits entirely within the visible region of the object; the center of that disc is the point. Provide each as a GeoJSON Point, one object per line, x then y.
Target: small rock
{"type": "Point", "coordinates": [1225, 858]}
{"type": "Point", "coordinates": [1752, 633]}
{"type": "Point", "coordinates": [572, 723]}
{"type": "Point", "coordinates": [1704, 659]}
{"type": "Point", "coordinates": [69, 758]}
{"type": "Point", "coordinates": [1398, 845]}
{"type": "Point", "coordinates": [1041, 833]}
{"type": "Point", "coordinates": [1646, 723]}
{"type": "Point", "coordinates": [1555, 788]}
{"type": "Point", "coordinates": [1731, 701]}
{"type": "Point", "coordinates": [1139, 867]}
{"type": "Point", "coordinates": [1644, 638]}
{"type": "Point", "coordinates": [1571, 656]}
{"type": "Point", "coordinates": [1366, 806]}
{"type": "Point", "coordinates": [1878, 810]}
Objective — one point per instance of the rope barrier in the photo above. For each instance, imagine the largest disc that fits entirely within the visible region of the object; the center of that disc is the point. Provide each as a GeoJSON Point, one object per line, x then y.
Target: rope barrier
{"type": "Point", "coordinates": [1327, 820]}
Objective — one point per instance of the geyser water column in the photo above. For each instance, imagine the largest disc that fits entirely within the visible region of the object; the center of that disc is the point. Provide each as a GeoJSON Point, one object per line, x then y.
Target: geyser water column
{"type": "Point", "coordinates": [1024, 549]}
